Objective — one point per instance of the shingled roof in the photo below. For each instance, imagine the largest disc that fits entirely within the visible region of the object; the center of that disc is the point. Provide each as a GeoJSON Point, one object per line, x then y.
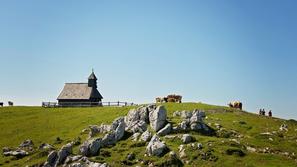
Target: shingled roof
{"type": "Point", "coordinates": [79, 91]}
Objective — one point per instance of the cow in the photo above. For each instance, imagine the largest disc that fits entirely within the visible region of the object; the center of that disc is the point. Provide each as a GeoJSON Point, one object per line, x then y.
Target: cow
{"type": "Point", "coordinates": [158, 100]}
{"type": "Point", "coordinates": [161, 100]}
{"type": "Point", "coordinates": [236, 104]}
{"type": "Point", "coordinates": [10, 103]}
{"type": "Point", "coordinates": [169, 98]}
{"type": "Point", "coordinates": [1, 104]}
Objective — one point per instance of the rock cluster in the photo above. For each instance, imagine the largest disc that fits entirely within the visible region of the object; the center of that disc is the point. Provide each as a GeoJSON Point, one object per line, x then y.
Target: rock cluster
{"type": "Point", "coordinates": [18, 153]}
{"type": "Point", "coordinates": [192, 121]}
{"type": "Point", "coordinates": [23, 150]}
{"type": "Point", "coordinates": [58, 157]}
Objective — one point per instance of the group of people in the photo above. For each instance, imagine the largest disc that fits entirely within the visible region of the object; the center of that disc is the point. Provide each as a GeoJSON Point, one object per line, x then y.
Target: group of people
{"type": "Point", "coordinates": [262, 112]}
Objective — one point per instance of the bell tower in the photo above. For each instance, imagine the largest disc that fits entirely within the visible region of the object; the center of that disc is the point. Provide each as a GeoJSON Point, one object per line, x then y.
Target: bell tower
{"type": "Point", "coordinates": [92, 80]}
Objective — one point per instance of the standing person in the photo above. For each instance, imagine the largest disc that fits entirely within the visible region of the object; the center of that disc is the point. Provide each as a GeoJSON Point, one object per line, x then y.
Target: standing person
{"type": "Point", "coordinates": [263, 111]}
{"type": "Point", "coordinates": [260, 111]}
{"type": "Point", "coordinates": [270, 113]}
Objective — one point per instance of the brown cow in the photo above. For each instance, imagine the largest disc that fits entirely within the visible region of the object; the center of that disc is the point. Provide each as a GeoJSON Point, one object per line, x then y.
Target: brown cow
{"type": "Point", "coordinates": [236, 104]}
{"type": "Point", "coordinates": [169, 98]}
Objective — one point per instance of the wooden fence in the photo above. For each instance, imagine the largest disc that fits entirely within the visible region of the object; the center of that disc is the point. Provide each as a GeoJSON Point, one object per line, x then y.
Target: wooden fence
{"type": "Point", "coordinates": [86, 104]}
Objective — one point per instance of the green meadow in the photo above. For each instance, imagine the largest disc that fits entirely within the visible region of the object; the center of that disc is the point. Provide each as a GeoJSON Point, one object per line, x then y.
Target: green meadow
{"type": "Point", "coordinates": [45, 125]}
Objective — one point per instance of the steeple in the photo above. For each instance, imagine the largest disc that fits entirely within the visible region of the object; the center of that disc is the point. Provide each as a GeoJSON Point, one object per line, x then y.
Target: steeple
{"type": "Point", "coordinates": [92, 80]}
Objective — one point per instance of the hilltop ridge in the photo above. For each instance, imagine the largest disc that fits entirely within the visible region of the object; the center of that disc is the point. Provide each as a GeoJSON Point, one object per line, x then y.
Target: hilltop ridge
{"type": "Point", "coordinates": [239, 137]}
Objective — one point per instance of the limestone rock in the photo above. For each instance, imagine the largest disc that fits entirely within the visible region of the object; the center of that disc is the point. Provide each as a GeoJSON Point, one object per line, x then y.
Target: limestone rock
{"type": "Point", "coordinates": [65, 151]}
{"type": "Point", "coordinates": [51, 158]}
{"type": "Point", "coordinates": [146, 136]}
{"type": "Point", "coordinates": [118, 126]}
{"type": "Point", "coordinates": [157, 118]}
{"type": "Point", "coordinates": [90, 147]}
{"type": "Point", "coordinates": [186, 138]}
{"type": "Point", "coordinates": [283, 127]}
{"type": "Point", "coordinates": [137, 126]}
{"type": "Point", "coordinates": [166, 130]}
{"type": "Point", "coordinates": [156, 147]}
{"type": "Point", "coordinates": [45, 146]}
{"type": "Point", "coordinates": [95, 129]}
{"type": "Point", "coordinates": [186, 114]}
{"type": "Point", "coordinates": [16, 153]}
{"type": "Point", "coordinates": [26, 144]}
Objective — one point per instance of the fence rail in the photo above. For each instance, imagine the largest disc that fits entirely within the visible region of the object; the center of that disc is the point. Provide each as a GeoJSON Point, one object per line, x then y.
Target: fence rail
{"type": "Point", "coordinates": [86, 104]}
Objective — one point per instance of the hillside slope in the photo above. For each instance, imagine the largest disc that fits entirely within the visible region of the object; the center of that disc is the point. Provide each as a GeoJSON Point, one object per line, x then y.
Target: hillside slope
{"type": "Point", "coordinates": [241, 138]}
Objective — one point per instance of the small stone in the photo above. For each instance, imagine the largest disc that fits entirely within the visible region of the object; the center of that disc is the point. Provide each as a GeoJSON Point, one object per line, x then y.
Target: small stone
{"type": "Point", "coordinates": [146, 136]}
{"type": "Point", "coordinates": [186, 138]}
{"type": "Point", "coordinates": [27, 143]}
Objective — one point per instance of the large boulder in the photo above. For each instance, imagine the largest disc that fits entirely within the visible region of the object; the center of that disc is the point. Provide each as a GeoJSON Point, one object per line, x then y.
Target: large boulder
{"type": "Point", "coordinates": [118, 127]}
{"type": "Point", "coordinates": [165, 131]}
{"type": "Point", "coordinates": [51, 159]}
{"type": "Point", "coordinates": [197, 116]}
{"type": "Point", "coordinates": [156, 147]}
{"type": "Point", "coordinates": [94, 147]}
{"type": "Point", "coordinates": [65, 151]}
{"type": "Point", "coordinates": [157, 118]}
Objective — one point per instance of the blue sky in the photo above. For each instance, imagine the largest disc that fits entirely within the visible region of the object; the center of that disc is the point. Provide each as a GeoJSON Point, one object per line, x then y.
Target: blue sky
{"type": "Point", "coordinates": [208, 51]}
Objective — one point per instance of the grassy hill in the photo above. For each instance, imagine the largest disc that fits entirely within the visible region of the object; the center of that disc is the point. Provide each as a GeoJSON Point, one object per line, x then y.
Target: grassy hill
{"type": "Point", "coordinates": [44, 125]}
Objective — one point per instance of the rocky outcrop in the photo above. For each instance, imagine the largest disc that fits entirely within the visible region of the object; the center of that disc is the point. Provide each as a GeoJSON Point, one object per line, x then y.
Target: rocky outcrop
{"type": "Point", "coordinates": [158, 118]}
{"type": "Point", "coordinates": [156, 147]}
{"type": "Point", "coordinates": [137, 119]}
{"type": "Point", "coordinates": [192, 121]}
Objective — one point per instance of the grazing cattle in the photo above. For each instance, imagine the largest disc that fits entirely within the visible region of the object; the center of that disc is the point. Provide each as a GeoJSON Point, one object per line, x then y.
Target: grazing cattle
{"type": "Point", "coordinates": [10, 103]}
{"type": "Point", "coordinates": [169, 98]}
{"type": "Point", "coordinates": [1, 104]}
{"type": "Point", "coordinates": [236, 104]}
